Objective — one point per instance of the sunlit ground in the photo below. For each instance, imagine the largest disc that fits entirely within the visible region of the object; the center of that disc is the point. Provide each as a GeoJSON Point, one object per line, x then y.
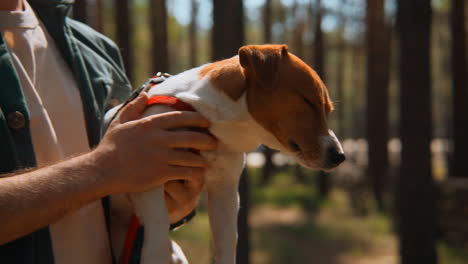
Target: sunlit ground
{"type": "Point", "coordinates": [289, 224]}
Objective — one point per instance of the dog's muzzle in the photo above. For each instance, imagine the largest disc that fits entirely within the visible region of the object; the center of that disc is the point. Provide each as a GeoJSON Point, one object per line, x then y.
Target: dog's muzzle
{"type": "Point", "coordinates": [333, 151]}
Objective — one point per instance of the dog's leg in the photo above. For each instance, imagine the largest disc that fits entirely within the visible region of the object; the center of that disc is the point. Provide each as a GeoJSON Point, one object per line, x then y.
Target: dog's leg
{"type": "Point", "coordinates": [151, 209]}
{"type": "Point", "coordinates": [178, 256]}
{"type": "Point", "coordinates": [223, 205]}
{"type": "Point", "coordinates": [223, 208]}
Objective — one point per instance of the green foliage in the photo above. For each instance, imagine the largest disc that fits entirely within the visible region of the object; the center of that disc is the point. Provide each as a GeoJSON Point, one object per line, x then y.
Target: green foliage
{"type": "Point", "coordinates": [291, 192]}
{"type": "Point", "coordinates": [441, 5]}
{"type": "Point", "coordinates": [194, 238]}
{"type": "Point", "coordinates": [285, 230]}
{"type": "Point", "coordinates": [452, 255]}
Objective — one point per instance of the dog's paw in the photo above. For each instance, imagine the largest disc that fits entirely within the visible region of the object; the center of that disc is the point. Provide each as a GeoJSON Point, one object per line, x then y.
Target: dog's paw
{"type": "Point", "coordinates": [177, 256]}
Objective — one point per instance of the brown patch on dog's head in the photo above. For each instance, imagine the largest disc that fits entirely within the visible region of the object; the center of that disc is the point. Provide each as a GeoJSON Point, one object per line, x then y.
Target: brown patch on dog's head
{"type": "Point", "coordinates": [286, 97]}
{"type": "Point", "coordinates": [289, 99]}
{"type": "Point", "coordinates": [227, 76]}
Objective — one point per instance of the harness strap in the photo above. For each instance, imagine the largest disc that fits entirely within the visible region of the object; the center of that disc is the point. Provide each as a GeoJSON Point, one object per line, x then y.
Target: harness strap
{"type": "Point", "coordinates": [156, 79]}
{"type": "Point", "coordinates": [171, 101]}
{"type": "Point", "coordinates": [130, 239]}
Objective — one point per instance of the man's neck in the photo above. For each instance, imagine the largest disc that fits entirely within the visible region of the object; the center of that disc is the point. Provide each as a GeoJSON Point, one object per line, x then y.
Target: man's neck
{"type": "Point", "coordinates": [11, 5]}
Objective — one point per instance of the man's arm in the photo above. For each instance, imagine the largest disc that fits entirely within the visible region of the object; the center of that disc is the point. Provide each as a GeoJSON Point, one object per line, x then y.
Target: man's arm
{"type": "Point", "coordinates": [31, 200]}
{"type": "Point", "coordinates": [135, 155]}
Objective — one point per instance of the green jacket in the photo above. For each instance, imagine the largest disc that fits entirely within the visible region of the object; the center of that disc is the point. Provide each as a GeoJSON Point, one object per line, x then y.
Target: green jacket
{"type": "Point", "coordinates": [98, 69]}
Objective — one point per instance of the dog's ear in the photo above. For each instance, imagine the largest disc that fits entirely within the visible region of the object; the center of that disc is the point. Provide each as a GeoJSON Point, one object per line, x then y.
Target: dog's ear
{"type": "Point", "coordinates": [261, 62]}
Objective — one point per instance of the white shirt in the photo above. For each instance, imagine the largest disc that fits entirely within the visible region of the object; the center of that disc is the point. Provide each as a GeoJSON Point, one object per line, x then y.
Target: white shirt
{"type": "Point", "coordinates": [57, 128]}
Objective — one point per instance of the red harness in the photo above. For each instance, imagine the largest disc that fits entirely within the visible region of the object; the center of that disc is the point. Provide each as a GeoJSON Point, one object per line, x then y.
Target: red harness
{"type": "Point", "coordinates": [179, 105]}
{"type": "Point", "coordinates": [171, 101]}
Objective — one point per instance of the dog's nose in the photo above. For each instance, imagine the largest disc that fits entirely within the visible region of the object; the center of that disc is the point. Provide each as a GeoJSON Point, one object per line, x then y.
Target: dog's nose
{"type": "Point", "coordinates": [335, 157]}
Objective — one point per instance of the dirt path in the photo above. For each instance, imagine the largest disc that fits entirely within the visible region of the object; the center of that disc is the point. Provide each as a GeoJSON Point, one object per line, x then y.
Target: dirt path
{"type": "Point", "coordinates": [327, 238]}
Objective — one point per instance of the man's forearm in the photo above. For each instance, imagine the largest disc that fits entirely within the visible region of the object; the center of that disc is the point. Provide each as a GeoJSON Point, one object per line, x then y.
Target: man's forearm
{"type": "Point", "coordinates": [34, 199]}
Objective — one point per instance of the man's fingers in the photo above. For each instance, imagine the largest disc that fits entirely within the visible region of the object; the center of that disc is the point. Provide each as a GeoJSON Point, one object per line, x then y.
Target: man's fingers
{"type": "Point", "coordinates": [134, 109]}
{"type": "Point", "coordinates": [191, 139]}
{"type": "Point", "coordinates": [184, 190]}
{"type": "Point", "coordinates": [178, 119]}
{"type": "Point", "coordinates": [194, 186]}
{"type": "Point", "coordinates": [179, 192]}
{"type": "Point", "coordinates": [184, 173]}
{"type": "Point", "coordinates": [178, 157]}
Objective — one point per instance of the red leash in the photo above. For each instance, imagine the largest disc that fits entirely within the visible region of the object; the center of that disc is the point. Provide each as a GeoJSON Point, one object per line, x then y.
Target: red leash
{"type": "Point", "coordinates": [130, 239]}
{"type": "Point", "coordinates": [179, 105]}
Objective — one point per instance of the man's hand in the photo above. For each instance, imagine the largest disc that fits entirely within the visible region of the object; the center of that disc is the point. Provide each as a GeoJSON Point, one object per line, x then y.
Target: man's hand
{"type": "Point", "coordinates": [135, 155]}
{"type": "Point", "coordinates": [138, 154]}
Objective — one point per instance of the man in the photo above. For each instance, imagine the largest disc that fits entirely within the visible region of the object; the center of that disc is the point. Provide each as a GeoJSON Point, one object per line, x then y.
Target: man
{"type": "Point", "coordinates": [56, 78]}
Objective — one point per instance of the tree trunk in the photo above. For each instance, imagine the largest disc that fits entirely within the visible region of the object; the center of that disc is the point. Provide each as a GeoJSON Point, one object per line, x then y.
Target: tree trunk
{"type": "Point", "coordinates": [297, 34]}
{"type": "Point", "coordinates": [267, 22]}
{"type": "Point", "coordinates": [159, 39]}
{"type": "Point", "coordinates": [227, 38]}
{"type": "Point", "coordinates": [193, 33]}
{"type": "Point", "coordinates": [298, 38]}
{"type": "Point", "coordinates": [228, 28]}
{"type": "Point", "coordinates": [319, 66]}
{"type": "Point", "coordinates": [357, 73]}
{"type": "Point", "coordinates": [459, 164]}
{"type": "Point", "coordinates": [80, 9]}
{"type": "Point", "coordinates": [99, 16]}
{"type": "Point", "coordinates": [319, 55]}
{"type": "Point", "coordinates": [415, 194]}
{"type": "Point", "coordinates": [268, 168]}
{"type": "Point", "coordinates": [123, 18]}
{"type": "Point", "coordinates": [378, 62]}
{"type": "Point", "coordinates": [340, 75]}
{"type": "Point", "coordinates": [243, 242]}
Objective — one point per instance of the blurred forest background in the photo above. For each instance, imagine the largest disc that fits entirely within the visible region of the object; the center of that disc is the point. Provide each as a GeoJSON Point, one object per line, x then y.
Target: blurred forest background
{"type": "Point", "coordinates": [397, 72]}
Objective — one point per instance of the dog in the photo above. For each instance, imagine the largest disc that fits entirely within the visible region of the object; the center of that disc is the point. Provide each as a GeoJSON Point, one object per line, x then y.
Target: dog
{"type": "Point", "coordinates": [264, 95]}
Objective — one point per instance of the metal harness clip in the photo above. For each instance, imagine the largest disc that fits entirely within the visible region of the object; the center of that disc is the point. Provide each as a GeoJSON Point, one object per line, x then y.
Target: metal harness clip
{"type": "Point", "coordinates": [156, 79]}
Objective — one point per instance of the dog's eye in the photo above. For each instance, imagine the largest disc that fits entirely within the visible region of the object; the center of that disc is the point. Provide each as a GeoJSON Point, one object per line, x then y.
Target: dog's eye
{"type": "Point", "coordinates": [312, 105]}
{"type": "Point", "coordinates": [294, 145]}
